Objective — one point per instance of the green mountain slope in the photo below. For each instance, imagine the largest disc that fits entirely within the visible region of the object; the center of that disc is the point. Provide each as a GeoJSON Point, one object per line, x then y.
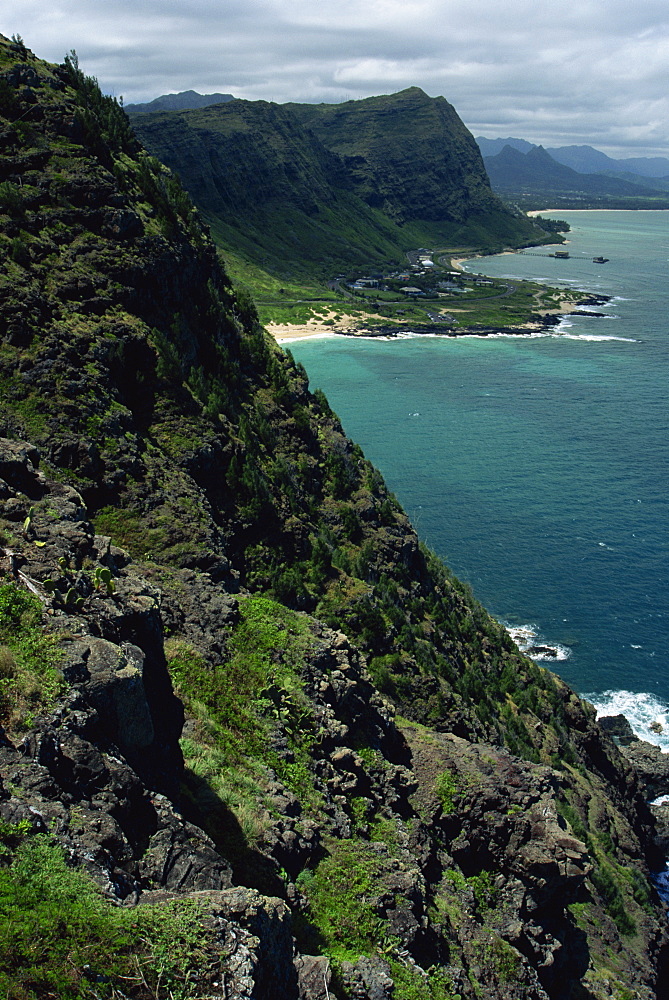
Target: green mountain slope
{"type": "Point", "coordinates": [394, 798]}
{"type": "Point", "coordinates": [313, 189]}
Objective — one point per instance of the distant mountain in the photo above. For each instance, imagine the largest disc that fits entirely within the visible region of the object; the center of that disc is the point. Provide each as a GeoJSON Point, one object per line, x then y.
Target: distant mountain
{"type": "Point", "coordinates": [646, 166]}
{"type": "Point", "coordinates": [535, 179]}
{"type": "Point", "coordinates": [491, 147]}
{"type": "Point", "coordinates": [316, 187]}
{"type": "Point", "coordinates": [587, 160]}
{"type": "Point", "coordinates": [188, 99]}
{"type": "Point", "coordinates": [584, 159]}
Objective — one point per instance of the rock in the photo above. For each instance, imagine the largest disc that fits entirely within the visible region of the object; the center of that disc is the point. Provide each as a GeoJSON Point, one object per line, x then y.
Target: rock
{"type": "Point", "coordinates": [661, 816]}
{"type": "Point", "coordinates": [313, 977]}
{"type": "Point", "coordinates": [618, 727]}
{"type": "Point", "coordinates": [256, 944]}
{"type": "Point", "coordinates": [368, 979]}
{"type": "Point", "coordinates": [116, 690]}
{"type": "Point", "coordinates": [652, 766]}
{"type": "Point", "coordinates": [19, 462]}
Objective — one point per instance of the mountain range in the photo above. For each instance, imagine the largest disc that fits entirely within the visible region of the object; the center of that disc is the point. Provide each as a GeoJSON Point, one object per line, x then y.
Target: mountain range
{"type": "Point", "coordinates": [583, 159]}
{"type": "Point", "coordinates": [573, 176]}
{"type": "Point", "coordinates": [256, 740]}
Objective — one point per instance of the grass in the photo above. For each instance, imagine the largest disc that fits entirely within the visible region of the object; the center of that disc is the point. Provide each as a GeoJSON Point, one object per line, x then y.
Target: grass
{"type": "Point", "coordinates": [30, 680]}
{"type": "Point", "coordinates": [59, 937]}
{"type": "Point", "coordinates": [446, 787]}
{"type": "Point", "coordinates": [410, 983]}
{"type": "Point", "coordinates": [338, 892]}
{"type": "Point", "coordinates": [238, 704]}
{"type": "Point", "coordinates": [297, 301]}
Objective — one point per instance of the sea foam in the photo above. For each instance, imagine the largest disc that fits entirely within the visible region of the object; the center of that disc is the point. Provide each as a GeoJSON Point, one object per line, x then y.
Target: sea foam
{"type": "Point", "coordinates": [532, 644]}
{"type": "Point", "coordinates": [642, 710]}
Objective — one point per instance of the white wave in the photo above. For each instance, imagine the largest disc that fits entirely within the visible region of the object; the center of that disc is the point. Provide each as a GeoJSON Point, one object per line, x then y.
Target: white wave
{"type": "Point", "coordinates": [530, 642]}
{"type": "Point", "coordinates": [597, 337]}
{"type": "Point", "coordinates": [647, 715]}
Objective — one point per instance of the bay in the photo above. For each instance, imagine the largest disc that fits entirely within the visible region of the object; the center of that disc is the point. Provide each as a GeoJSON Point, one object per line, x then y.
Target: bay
{"type": "Point", "coordinates": [536, 467]}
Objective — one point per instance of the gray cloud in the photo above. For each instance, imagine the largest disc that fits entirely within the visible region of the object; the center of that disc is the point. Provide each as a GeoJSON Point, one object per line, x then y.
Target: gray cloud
{"type": "Point", "coordinates": [551, 71]}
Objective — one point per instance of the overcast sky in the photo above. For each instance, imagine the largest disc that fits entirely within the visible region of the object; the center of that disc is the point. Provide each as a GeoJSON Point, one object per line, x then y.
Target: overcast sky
{"type": "Point", "coordinates": [555, 72]}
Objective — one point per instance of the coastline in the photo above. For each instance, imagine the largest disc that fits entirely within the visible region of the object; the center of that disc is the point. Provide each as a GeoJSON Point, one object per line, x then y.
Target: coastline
{"type": "Point", "coordinates": [323, 328]}
{"type": "Point", "coordinates": [339, 324]}
{"type": "Point", "coordinates": [315, 327]}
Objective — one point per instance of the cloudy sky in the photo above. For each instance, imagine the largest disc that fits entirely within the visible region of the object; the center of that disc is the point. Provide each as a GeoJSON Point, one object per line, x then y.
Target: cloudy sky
{"type": "Point", "coordinates": [552, 71]}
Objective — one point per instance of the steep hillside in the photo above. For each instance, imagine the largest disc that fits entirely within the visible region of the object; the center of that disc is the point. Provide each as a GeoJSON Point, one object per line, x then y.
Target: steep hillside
{"type": "Point", "coordinates": [294, 755]}
{"type": "Point", "coordinates": [407, 154]}
{"type": "Point", "coordinates": [315, 188]}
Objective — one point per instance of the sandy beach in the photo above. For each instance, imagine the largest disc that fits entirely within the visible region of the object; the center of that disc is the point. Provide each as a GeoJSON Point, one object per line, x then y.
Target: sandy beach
{"type": "Point", "coordinates": [319, 326]}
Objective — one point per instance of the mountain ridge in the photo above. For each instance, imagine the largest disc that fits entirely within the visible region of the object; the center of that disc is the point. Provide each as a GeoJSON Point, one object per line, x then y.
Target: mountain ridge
{"type": "Point", "coordinates": [185, 100]}
{"type": "Point", "coordinates": [535, 178]}
{"type": "Point", "coordinates": [583, 158]}
{"type": "Point", "coordinates": [269, 176]}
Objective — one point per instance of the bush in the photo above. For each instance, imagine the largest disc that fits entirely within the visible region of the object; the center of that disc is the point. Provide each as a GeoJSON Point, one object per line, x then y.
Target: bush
{"type": "Point", "coordinates": [338, 896]}
{"type": "Point", "coordinates": [446, 788]}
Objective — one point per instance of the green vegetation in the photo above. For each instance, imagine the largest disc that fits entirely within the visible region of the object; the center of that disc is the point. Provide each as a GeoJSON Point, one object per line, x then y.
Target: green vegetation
{"type": "Point", "coordinates": [411, 983]}
{"type": "Point", "coordinates": [481, 885]}
{"type": "Point", "coordinates": [500, 304]}
{"type": "Point", "coordinates": [620, 888]}
{"type": "Point", "coordinates": [238, 703]}
{"type": "Point", "coordinates": [132, 363]}
{"type": "Point", "coordinates": [447, 788]}
{"type": "Point", "coordinates": [29, 657]}
{"type": "Point", "coordinates": [340, 892]}
{"type": "Point", "coordinates": [59, 937]}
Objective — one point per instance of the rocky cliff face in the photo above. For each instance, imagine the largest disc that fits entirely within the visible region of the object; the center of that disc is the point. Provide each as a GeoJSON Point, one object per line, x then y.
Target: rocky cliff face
{"type": "Point", "coordinates": [235, 690]}
{"type": "Point", "coordinates": [408, 153]}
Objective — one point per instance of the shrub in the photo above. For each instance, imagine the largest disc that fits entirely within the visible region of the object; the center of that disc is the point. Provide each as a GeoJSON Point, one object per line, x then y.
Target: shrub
{"type": "Point", "coordinates": [446, 788]}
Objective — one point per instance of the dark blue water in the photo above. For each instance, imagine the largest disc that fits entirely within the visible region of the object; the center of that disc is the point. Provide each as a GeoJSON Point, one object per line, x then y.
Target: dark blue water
{"type": "Point", "coordinates": [537, 467]}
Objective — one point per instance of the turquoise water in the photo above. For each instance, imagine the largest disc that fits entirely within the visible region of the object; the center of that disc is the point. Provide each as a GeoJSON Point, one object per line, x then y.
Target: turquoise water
{"type": "Point", "coordinates": [537, 467]}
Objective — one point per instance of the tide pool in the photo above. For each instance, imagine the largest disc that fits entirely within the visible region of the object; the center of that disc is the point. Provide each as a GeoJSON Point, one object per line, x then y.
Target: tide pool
{"type": "Point", "coordinates": [537, 467]}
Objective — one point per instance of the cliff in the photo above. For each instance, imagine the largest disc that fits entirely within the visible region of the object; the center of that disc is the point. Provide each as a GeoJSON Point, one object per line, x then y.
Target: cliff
{"type": "Point", "coordinates": [313, 188]}
{"type": "Point", "coordinates": [258, 741]}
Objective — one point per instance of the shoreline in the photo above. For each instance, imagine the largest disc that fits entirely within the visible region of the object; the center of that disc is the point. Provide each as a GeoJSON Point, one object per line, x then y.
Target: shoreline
{"type": "Point", "coordinates": [325, 328]}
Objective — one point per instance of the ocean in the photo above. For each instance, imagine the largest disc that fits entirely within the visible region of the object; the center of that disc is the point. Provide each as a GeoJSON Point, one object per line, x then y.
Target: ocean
{"type": "Point", "coordinates": [536, 467]}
